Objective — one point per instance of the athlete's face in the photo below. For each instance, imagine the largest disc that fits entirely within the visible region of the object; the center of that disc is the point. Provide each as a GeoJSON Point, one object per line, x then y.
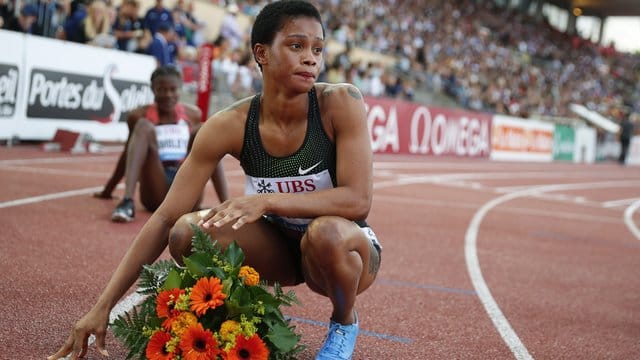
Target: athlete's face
{"type": "Point", "coordinates": [295, 57]}
{"type": "Point", "coordinates": [166, 91]}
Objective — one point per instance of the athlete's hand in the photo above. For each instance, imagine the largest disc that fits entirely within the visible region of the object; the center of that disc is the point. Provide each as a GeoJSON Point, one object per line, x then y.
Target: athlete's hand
{"type": "Point", "coordinates": [94, 322]}
{"type": "Point", "coordinates": [239, 211]}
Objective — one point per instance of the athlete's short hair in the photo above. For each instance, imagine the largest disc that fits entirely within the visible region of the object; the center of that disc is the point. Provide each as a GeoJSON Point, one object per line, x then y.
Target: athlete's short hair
{"type": "Point", "coordinates": [273, 16]}
{"type": "Point", "coordinates": [166, 70]}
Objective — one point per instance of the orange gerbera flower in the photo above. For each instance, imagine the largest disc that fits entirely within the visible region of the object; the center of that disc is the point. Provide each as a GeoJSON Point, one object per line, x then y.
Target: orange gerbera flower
{"type": "Point", "coordinates": [156, 348]}
{"type": "Point", "coordinates": [206, 294]}
{"type": "Point", "coordinates": [197, 343]}
{"type": "Point", "coordinates": [252, 348]}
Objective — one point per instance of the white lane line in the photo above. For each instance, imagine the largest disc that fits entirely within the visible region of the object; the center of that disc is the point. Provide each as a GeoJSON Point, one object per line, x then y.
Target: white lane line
{"type": "Point", "coordinates": [54, 196]}
{"type": "Point", "coordinates": [60, 195]}
{"type": "Point", "coordinates": [500, 322]}
{"type": "Point", "coordinates": [621, 202]}
{"type": "Point", "coordinates": [57, 160]}
{"type": "Point", "coordinates": [511, 210]}
{"type": "Point", "coordinates": [628, 219]}
{"type": "Point", "coordinates": [48, 171]}
{"type": "Point", "coordinates": [572, 186]}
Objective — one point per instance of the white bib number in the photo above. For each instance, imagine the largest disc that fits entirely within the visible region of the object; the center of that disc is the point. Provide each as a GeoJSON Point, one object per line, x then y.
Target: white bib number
{"type": "Point", "coordinates": [173, 141]}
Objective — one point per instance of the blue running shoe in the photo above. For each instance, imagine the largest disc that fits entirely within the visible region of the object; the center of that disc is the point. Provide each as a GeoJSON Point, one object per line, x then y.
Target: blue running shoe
{"type": "Point", "coordinates": [340, 342]}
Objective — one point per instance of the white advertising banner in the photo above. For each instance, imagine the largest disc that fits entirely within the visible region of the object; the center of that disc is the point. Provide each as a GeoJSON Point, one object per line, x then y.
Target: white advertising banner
{"type": "Point", "coordinates": [77, 87]}
{"type": "Point", "coordinates": [633, 154]}
{"type": "Point", "coordinates": [584, 150]}
{"type": "Point", "coordinates": [11, 74]}
{"type": "Point", "coordinates": [515, 139]}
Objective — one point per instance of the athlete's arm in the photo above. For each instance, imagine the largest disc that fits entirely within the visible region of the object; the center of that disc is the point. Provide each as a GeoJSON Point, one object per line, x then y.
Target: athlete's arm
{"type": "Point", "coordinates": [354, 157]}
{"type": "Point", "coordinates": [217, 178]}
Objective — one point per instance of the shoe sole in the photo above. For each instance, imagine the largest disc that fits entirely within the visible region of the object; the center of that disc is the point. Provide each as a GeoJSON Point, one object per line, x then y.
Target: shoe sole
{"type": "Point", "coordinates": [120, 218]}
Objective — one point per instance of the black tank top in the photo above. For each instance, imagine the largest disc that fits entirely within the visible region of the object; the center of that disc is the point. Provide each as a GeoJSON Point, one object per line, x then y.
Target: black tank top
{"type": "Point", "coordinates": [310, 168]}
{"type": "Point", "coordinates": [316, 155]}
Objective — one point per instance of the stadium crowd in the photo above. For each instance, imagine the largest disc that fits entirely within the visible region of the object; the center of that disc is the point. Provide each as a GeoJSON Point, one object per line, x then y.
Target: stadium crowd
{"type": "Point", "coordinates": [487, 57]}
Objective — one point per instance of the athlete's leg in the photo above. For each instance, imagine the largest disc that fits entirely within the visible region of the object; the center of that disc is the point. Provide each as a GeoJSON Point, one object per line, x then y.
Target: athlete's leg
{"type": "Point", "coordinates": [119, 170]}
{"type": "Point", "coordinates": [338, 261]}
{"type": "Point", "coordinates": [144, 166]}
{"type": "Point", "coordinates": [264, 247]}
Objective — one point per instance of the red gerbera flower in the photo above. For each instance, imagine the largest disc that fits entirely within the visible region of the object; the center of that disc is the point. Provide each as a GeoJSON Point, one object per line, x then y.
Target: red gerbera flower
{"type": "Point", "coordinates": [156, 348]}
{"type": "Point", "coordinates": [165, 306]}
{"type": "Point", "coordinates": [252, 348]}
{"type": "Point", "coordinates": [197, 343]}
{"type": "Point", "coordinates": [206, 294]}
{"type": "Point", "coordinates": [166, 302]}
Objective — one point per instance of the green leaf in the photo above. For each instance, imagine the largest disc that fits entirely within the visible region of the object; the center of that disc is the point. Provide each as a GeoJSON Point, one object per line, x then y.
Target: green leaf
{"type": "Point", "coordinates": [234, 254]}
{"type": "Point", "coordinates": [198, 263]}
{"type": "Point", "coordinates": [129, 328]}
{"type": "Point", "coordinates": [227, 285]}
{"type": "Point", "coordinates": [242, 296]}
{"type": "Point", "coordinates": [201, 241]}
{"type": "Point", "coordinates": [153, 276]}
{"type": "Point", "coordinates": [219, 273]}
{"type": "Point", "coordinates": [173, 280]}
{"type": "Point", "coordinates": [234, 310]}
{"type": "Point", "coordinates": [282, 337]}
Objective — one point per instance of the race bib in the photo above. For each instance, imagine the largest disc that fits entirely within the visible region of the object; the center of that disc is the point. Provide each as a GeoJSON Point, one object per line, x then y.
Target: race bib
{"type": "Point", "coordinates": [173, 141]}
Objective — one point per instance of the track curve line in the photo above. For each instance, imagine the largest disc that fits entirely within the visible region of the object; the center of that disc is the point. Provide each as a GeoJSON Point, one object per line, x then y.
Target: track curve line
{"type": "Point", "coordinates": [500, 322]}
{"type": "Point", "coordinates": [628, 218]}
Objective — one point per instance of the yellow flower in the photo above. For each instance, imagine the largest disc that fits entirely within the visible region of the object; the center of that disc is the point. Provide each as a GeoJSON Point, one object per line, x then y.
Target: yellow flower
{"type": "Point", "coordinates": [229, 330]}
{"type": "Point", "coordinates": [250, 275]}
{"type": "Point", "coordinates": [183, 322]}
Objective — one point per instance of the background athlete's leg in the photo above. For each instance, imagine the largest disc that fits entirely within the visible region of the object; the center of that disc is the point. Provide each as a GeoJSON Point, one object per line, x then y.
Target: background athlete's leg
{"type": "Point", "coordinates": [144, 166]}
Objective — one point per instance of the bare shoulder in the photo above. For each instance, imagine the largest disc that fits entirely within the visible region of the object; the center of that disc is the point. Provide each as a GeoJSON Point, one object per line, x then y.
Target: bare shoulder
{"type": "Point", "coordinates": [135, 114]}
{"type": "Point", "coordinates": [339, 92]}
{"type": "Point", "coordinates": [339, 103]}
{"type": "Point", "coordinates": [227, 125]}
{"type": "Point", "coordinates": [191, 109]}
{"type": "Point", "coordinates": [139, 111]}
{"type": "Point", "coordinates": [240, 107]}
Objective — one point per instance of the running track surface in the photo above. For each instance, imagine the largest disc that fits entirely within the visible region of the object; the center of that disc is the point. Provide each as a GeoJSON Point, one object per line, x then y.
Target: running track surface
{"type": "Point", "coordinates": [481, 260]}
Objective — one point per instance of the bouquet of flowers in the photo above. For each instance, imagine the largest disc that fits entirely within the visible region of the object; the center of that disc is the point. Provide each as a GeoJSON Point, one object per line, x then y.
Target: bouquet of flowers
{"type": "Point", "coordinates": [212, 308]}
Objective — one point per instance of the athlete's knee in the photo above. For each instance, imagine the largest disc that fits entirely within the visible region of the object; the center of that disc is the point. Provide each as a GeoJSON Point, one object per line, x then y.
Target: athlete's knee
{"type": "Point", "coordinates": [180, 237]}
{"type": "Point", "coordinates": [325, 238]}
{"type": "Point", "coordinates": [131, 122]}
{"type": "Point", "coordinates": [143, 127]}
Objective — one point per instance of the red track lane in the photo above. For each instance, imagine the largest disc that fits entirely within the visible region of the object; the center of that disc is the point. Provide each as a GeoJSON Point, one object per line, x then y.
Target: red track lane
{"type": "Point", "coordinates": [561, 265]}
